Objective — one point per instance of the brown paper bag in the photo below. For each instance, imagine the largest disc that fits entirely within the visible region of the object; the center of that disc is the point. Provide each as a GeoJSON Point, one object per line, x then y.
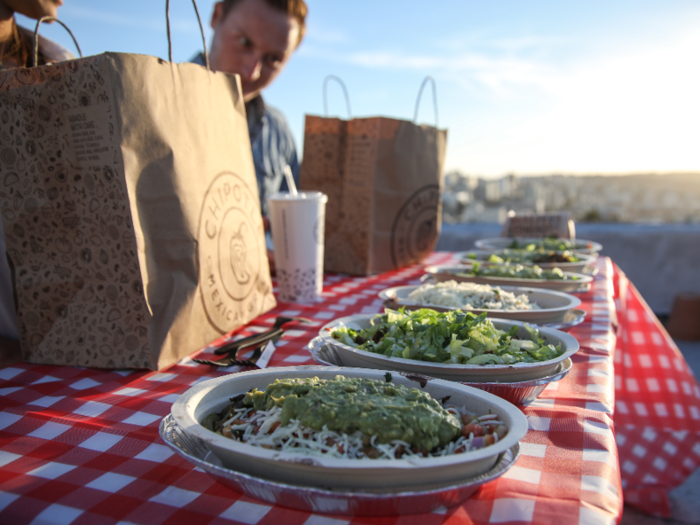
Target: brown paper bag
{"type": "Point", "coordinates": [130, 210]}
{"type": "Point", "coordinates": [383, 178]}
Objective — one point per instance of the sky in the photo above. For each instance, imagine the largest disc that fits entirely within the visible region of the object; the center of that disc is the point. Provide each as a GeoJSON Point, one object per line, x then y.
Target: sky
{"type": "Point", "coordinates": [532, 87]}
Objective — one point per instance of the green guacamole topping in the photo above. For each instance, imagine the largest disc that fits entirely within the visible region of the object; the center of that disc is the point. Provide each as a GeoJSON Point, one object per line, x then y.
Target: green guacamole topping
{"type": "Point", "coordinates": [375, 408]}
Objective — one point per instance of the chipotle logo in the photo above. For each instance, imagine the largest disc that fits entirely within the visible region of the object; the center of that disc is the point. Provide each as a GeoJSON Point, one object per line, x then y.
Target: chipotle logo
{"type": "Point", "coordinates": [230, 253]}
{"type": "Point", "coordinates": [415, 229]}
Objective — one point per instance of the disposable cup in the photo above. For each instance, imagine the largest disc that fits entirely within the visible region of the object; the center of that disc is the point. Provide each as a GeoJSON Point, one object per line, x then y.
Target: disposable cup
{"type": "Point", "coordinates": [297, 225]}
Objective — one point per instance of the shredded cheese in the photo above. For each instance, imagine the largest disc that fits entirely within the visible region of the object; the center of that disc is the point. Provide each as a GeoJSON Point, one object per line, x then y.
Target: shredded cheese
{"type": "Point", "coordinates": [469, 296]}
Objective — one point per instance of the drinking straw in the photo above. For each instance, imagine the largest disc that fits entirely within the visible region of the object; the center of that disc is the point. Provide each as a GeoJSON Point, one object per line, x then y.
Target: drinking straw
{"type": "Point", "coordinates": [290, 180]}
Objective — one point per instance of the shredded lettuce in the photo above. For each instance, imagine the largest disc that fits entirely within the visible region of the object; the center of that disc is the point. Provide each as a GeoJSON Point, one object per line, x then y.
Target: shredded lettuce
{"type": "Point", "coordinates": [446, 337]}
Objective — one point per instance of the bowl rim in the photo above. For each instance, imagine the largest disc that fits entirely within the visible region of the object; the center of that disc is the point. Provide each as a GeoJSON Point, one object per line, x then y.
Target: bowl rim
{"type": "Point", "coordinates": [434, 269]}
{"type": "Point", "coordinates": [573, 301]}
{"type": "Point", "coordinates": [484, 243]}
{"type": "Point", "coordinates": [183, 410]}
{"type": "Point", "coordinates": [572, 346]}
{"type": "Point", "coordinates": [584, 259]}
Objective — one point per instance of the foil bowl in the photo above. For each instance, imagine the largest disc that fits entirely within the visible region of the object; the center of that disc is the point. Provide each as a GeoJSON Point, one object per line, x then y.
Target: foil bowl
{"type": "Point", "coordinates": [344, 502]}
{"type": "Point", "coordinates": [328, 472]}
{"type": "Point", "coordinates": [455, 372]}
{"type": "Point", "coordinates": [520, 393]}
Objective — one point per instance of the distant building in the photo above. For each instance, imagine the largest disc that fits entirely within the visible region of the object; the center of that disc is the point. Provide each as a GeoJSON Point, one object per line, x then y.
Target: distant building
{"type": "Point", "coordinates": [633, 198]}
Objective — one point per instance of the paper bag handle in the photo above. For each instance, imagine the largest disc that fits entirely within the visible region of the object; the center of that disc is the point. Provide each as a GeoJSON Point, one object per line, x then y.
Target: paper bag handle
{"type": "Point", "coordinates": [201, 30]}
{"type": "Point", "coordinates": [420, 92]}
{"type": "Point", "coordinates": [325, 94]}
{"type": "Point", "coordinates": [36, 37]}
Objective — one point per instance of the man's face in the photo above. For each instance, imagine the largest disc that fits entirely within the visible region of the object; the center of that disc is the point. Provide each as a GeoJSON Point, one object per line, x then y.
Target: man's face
{"type": "Point", "coordinates": [253, 40]}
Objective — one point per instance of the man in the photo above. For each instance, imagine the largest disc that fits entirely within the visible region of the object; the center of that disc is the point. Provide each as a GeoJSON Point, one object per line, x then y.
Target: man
{"type": "Point", "coordinates": [255, 39]}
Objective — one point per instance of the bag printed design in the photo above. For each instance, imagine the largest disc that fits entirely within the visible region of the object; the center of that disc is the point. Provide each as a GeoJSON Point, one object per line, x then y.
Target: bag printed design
{"type": "Point", "coordinates": [416, 228]}
{"type": "Point", "coordinates": [78, 258]}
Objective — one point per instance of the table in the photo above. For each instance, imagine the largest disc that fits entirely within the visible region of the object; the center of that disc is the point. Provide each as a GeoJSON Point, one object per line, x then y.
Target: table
{"type": "Point", "coordinates": [657, 405]}
{"type": "Point", "coordinates": [81, 445]}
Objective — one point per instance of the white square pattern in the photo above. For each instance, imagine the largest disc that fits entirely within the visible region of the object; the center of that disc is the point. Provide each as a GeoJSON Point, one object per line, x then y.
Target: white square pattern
{"type": "Point", "coordinates": [9, 373]}
{"type": "Point", "coordinates": [538, 423]}
{"type": "Point", "coordinates": [595, 427]}
{"type": "Point", "coordinates": [141, 419]}
{"type": "Point", "coordinates": [131, 392]}
{"type": "Point", "coordinates": [92, 409]}
{"type": "Point", "coordinates": [321, 520]}
{"type": "Point", "coordinates": [49, 431]}
{"type": "Point", "coordinates": [7, 419]}
{"type": "Point", "coordinates": [110, 482]}
{"type": "Point", "coordinates": [6, 498]}
{"type": "Point", "coordinates": [175, 497]}
{"type": "Point", "coordinates": [46, 379]}
{"type": "Point", "coordinates": [593, 516]}
{"type": "Point", "coordinates": [51, 470]}
{"type": "Point", "coordinates": [58, 515]}
{"type": "Point", "coordinates": [155, 452]}
{"type": "Point", "coordinates": [525, 475]}
{"type": "Point", "coordinates": [512, 509]}
{"type": "Point", "coordinates": [533, 449]}
{"type": "Point", "coordinates": [161, 378]}
{"type": "Point", "coordinates": [599, 485]}
{"type": "Point", "coordinates": [84, 384]}
{"type": "Point", "coordinates": [47, 401]}
{"type": "Point", "coordinates": [601, 456]}
{"type": "Point", "coordinates": [245, 512]}
{"type": "Point", "coordinates": [8, 391]}
{"type": "Point", "coordinates": [101, 442]}
{"type": "Point", "coordinates": [7, 457]}
{"type": "Point", "coordinates": [629, 467]}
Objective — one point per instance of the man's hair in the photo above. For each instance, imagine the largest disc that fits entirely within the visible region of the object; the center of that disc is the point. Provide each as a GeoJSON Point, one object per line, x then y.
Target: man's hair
{"type": "Point", "coordinates": [294, 8]}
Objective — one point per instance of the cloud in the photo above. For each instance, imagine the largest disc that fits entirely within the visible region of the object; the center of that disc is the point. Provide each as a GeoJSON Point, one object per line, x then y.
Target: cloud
{"type": "Point", "coordinates": [100, 16]}
{"type": "Point", "coordinates": [324, 35]}
{"type": "Point", "coordinates": [501, 75]}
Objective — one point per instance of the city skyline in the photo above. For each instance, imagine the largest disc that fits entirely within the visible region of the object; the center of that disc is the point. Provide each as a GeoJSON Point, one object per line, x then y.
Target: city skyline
{"type": "Point", "coordinates": [634, 198]}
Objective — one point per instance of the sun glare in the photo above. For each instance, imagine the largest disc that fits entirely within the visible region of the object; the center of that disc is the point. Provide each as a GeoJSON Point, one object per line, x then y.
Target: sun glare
{"type": "Point", "coordinates": [638, 112]}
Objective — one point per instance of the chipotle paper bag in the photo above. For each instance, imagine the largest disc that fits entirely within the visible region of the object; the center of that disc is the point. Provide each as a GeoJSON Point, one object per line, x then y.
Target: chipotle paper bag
{"type": "Point", "coordinates": [383, 178]}
{"type": "Point", "coordinates": [130, 210]}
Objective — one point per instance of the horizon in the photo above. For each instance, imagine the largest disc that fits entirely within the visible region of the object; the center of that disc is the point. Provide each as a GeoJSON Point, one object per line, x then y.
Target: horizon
{"type": "Point", "coordinates": [629, 174]}
{"type": "Point", "coordinates": [542, 87]}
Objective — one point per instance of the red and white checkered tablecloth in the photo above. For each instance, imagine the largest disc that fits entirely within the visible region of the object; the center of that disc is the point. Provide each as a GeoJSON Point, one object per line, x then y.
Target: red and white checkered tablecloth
{"type": "Point", "coordinates": [657, 405]}
{"type": "Point", "coordinates": [81, 445]}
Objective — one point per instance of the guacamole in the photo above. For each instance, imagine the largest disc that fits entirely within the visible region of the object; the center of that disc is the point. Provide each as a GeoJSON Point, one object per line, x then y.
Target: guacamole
{"type": "Point", "coordinates": [374, 408]}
